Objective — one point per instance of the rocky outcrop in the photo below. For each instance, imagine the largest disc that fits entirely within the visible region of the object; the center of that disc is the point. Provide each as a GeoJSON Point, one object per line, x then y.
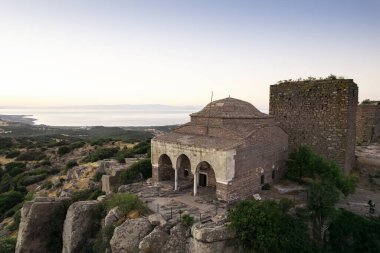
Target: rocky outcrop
{"type": "Point", "coordinates": [41, 225]}
{"type": "Point", "coordinates": [77, 224]}
{"type": "Point", "coordinates": [176, 242]}
{"type": "Point", "coordinates": [127, 236]}
{"type": "Point", "coordinates": [154, 242]}
{"type": "Point", "coordinates": [210, 238]}
{"type": "Point", "coordinates": [156, 219]}
{"type": "Point", "coordinates": [210, 233]}
{"type": "Point", "coordinates": [113, 216]}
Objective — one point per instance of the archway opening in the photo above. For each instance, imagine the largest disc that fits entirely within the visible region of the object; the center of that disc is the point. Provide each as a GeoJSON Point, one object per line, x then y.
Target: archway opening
{"type": "Point", "coordinates": [184, 168]}
{"type": "Point", "coordinates": [165, 168]}
{"type": "Point", "coordinates": [206, 177]}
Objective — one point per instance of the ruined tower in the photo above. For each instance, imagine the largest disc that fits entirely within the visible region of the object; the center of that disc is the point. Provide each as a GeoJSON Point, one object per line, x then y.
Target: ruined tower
{"type": "Point", "coordinates": [320, 114]}
{"type": "Point", "coordinates": [368, 123]}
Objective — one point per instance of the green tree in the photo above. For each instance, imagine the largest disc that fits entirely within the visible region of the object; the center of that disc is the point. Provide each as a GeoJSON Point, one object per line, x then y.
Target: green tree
{"type": "Point", "coordinates": [300, 163]}
{"type": "Point", "coordinates": [264, 227]}
{"type": "Point", "coordinates": [322, 199]}
{"type": "Point", "coordinates": [63, 150]}
{"type": "Point", "coordinates": [350, 233]}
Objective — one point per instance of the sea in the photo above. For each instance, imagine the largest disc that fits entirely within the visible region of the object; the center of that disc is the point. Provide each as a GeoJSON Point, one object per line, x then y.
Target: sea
{"type": "Point", "coordinates": [146, 115]}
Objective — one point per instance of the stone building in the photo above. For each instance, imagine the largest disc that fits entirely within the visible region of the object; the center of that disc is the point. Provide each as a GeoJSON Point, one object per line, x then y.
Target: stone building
{"type": "Point", "coordinates": [229, 147]}
{"type": "Point", "coordinates": [368, 123]}
{"type": "Point", "coordinates": [320, 114]}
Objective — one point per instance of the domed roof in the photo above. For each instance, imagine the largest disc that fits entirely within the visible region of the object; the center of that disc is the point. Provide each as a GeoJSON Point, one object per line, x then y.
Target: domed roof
{"type": "Point", "coordinates": [229, 108]}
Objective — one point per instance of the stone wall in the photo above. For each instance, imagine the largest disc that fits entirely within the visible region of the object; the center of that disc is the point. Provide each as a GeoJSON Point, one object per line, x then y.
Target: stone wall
{"type": "Point", "coordinates": [367, 124]}
{"type": "Point", "coordinates": [265, 152]}
{"type": "Point", "coordinates": [320, 114]}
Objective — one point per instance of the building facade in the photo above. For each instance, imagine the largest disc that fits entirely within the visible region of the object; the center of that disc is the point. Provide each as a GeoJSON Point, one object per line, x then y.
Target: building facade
{"type": "Point", "coordinates": [229, 147]}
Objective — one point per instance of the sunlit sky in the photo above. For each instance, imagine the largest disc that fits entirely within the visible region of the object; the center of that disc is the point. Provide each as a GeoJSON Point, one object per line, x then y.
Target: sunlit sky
{"type": "Point", "coordinates": [177, 52]}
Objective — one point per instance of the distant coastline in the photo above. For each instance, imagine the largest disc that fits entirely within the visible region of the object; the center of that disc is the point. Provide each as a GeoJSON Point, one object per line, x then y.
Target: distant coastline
{"type": "Point", "coordinates": [25, 119]}
{"type": "Point", "coordinates": [110, 116]}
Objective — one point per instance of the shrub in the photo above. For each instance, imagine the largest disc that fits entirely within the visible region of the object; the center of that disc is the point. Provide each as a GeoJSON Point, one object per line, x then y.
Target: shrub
{"type": "Point", "coordinates": [187, 220]}
{"type": "Point", "coordinates": [9, 200]}
{"type": "Point", "coordinates": [77, 144]}
{"type": "Point", "coordinates": [15, 168]}
{"type": "Point", "coordinates": [141, 147]}
{"type": "Point", "coordinates": [87, 194]}
{"type": "Point", "coordinates": [31, 155]}
{"type": "Point", "coordinates": [12, 154]}
{"type": "Point", "coordinates": [130, 176]}
{"type": "Point", "coordinates": [136, 172]}
{"type": "Point", "coordinates": [47, 185]}
{"type": "Point", "coordinates": [63, 150]}
{"type": "Point", "coordinates": [72, 163]}
{"type": "Point", "coordinates": [6, 142]}
{"type": "Point", "coordinates": [263, 227]}
{"type": "Point", "coordinates": [16, 221]}
{"type": "Point", "coordinates": [97, 176]}
{"type": "Point", "coordinates": [126, 202]}
{"type": "Point", "coordinates": [8, 245]}
{"type": "Point", "coordinates": [351, 233]}
{"type": "Point", "coordinates": [45, 162]}
{"type": "Point", "coordinates": [33, 179]}
{"type": "Point", "coordinates": [100, 154]}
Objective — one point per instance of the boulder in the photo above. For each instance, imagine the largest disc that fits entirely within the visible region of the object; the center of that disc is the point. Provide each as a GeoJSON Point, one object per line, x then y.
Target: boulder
{"type": "Point", "coordinates": [77, 224]}
{"type": "Point", "coordinates": [154, 242]}
{"type": "Point", "coordinates": [156, 219]}
{"type": "Point", "coordinates": [211, 247]}
{"type": "Point", "coordinates": [113, 216]}
{"type": "Point", "coordinates": [176, 242]}
{"type": "Point", "coordinates": [211, 233]}
{"type": "Point", "coordinates": [41, 224]}
{"type": "Point", "coordinates": [127, 236]}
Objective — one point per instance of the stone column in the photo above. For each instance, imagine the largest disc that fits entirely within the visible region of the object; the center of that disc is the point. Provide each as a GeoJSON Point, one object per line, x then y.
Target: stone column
{"type": "Point", "coordinates": [195, 183]}
{"type": "Point", "coordinates": [176, 180]}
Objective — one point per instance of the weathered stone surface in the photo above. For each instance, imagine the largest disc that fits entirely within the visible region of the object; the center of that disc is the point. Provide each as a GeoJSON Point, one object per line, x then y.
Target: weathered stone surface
{"type": "Point", "coordinates": [156, 219]}
{"type": "Point", "coordinates": [211, 233]}
{"type": "Point", "coordinates": [127, 236]}
{"type": "Point", "coordinates": [154, 242]}
{"type": "Point", "coordinates": [113, 216]}
{"type": "Point", "coordinates": [320, 114]}
{"type": "Point", "coordinates": [77, 224]}
{"type": "Point", "coordinates": [368, 123]}
{"type": "Point", "coordinates": [176, 242]}
{"type": "Point", "coordinates": [39, 220]}
{"type": "Point", "coordinates": [204, 247]}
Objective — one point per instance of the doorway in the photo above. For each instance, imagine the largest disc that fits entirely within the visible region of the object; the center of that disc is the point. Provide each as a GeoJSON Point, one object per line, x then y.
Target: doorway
{"type": "Point", "coordinates": [202, 179]}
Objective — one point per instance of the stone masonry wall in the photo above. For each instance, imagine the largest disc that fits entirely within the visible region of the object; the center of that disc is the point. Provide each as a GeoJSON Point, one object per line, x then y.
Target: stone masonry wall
{"type": "Point", "coordinates": [263, 154]}
{"type": "Point", "coordinates": [367, 124]}
{"type": "Point", "coordinates": [320, 114]}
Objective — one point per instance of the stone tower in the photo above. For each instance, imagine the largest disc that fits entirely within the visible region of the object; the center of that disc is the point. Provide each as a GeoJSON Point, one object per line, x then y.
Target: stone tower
{"type": "Point", "coordinates": [368, 123]}
{"type": "Point", "coordinates": [320, 114]}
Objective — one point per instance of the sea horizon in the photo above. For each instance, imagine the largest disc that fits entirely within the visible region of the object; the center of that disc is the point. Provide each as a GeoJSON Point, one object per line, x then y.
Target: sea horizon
{"type": "Point", "coordinates": [103, 115]}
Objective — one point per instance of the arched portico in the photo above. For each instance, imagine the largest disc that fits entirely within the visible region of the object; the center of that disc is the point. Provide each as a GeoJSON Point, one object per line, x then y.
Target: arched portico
{"type": "Point", "coordinates": [165, 168]}
{"type": "Point", "coordinates": [204, 176]}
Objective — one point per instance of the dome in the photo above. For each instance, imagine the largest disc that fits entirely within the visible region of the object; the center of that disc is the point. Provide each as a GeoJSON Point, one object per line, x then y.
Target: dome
{"type": "Point", "coordinates": [229, 108]}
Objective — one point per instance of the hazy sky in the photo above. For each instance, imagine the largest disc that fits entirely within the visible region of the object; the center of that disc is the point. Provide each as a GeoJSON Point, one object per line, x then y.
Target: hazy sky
{"type": "Point", "coordinates": [176, 52]}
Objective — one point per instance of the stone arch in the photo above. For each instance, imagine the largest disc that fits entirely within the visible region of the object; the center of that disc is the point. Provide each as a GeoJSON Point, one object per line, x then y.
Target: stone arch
{"type": "Point", "coordinates": [165, 168]}
{"type": "Point", "coordinates": [205, 169]}
{"type": "Point", "coordinates": [184, 168]}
